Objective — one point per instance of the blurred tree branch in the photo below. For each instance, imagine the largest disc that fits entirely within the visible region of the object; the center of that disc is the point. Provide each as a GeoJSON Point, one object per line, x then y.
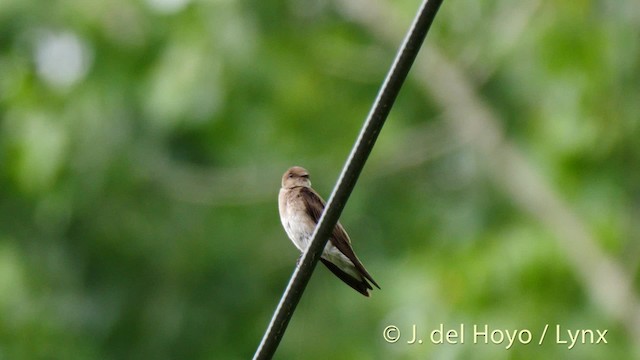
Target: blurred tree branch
{"type": "Point", "coordinates": [473, 121]}
{"type": "Point", "coordinates": [207, 185]}
{"type": "Point", "coordinates": [245, 185]}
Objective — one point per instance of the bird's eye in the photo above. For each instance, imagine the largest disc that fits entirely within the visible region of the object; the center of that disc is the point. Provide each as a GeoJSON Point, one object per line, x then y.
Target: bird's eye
{"type": "Point", "coordinates": [290, 175]}
{"type": "Point", "coordinates": [305, 176]}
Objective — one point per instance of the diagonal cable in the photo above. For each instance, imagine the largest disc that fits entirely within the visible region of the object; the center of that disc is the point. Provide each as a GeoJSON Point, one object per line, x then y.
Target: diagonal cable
{"type": "Point", "coordinates": [348, 177]}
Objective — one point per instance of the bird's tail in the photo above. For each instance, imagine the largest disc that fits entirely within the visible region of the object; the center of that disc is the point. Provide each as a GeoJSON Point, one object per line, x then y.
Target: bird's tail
{"type": "Point", "coordinates": [360, 285]}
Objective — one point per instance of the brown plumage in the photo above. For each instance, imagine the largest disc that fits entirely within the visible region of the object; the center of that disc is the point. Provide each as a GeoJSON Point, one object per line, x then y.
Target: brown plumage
{"type": "Point", "coordinates": [300, 209]}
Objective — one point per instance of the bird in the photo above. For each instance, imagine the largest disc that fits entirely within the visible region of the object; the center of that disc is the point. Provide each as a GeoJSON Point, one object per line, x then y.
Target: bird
{"type": "Point", "coordinates": [300, 209]}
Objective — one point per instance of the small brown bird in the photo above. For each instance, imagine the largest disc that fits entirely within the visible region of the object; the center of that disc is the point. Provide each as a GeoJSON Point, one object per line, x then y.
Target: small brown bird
{"type": "Point", "coordinates": [300, 209]}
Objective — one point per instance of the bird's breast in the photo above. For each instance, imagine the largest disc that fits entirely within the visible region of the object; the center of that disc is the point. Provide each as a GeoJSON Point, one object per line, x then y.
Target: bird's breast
{"type": "Point", "coordinates": [295, 220]}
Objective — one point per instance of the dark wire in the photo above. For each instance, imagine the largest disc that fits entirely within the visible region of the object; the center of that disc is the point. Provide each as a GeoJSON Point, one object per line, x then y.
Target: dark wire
{"type": "Point", "coordinates": [347, 180]}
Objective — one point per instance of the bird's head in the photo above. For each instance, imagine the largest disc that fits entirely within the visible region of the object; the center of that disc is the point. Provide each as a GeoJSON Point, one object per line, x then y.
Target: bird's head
{"type": "Point", "coordinates": [295, 176]}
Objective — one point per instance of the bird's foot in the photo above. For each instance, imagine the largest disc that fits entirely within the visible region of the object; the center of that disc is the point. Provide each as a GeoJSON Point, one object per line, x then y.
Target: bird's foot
{"type": "Point", "coordinates": [299, 260]}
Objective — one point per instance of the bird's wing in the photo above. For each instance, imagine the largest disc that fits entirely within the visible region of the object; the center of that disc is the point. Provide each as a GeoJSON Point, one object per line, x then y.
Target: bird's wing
{"type": "Point", "coordinates": [315, 207]}
{"type": "Point", "coordinates": [339, 238]}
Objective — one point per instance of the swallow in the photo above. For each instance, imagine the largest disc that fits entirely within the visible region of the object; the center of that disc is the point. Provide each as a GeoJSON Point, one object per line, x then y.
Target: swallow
{"type": "Point", "coordinates": [300, 210]}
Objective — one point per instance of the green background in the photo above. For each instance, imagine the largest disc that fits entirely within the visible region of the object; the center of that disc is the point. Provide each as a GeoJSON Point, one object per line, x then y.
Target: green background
{"type": "Point", "coordinates": [142, 145]}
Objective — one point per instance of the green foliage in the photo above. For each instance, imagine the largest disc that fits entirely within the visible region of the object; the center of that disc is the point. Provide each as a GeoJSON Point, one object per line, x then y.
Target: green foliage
{"type": "Point", "coordinates": [142, 144]}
